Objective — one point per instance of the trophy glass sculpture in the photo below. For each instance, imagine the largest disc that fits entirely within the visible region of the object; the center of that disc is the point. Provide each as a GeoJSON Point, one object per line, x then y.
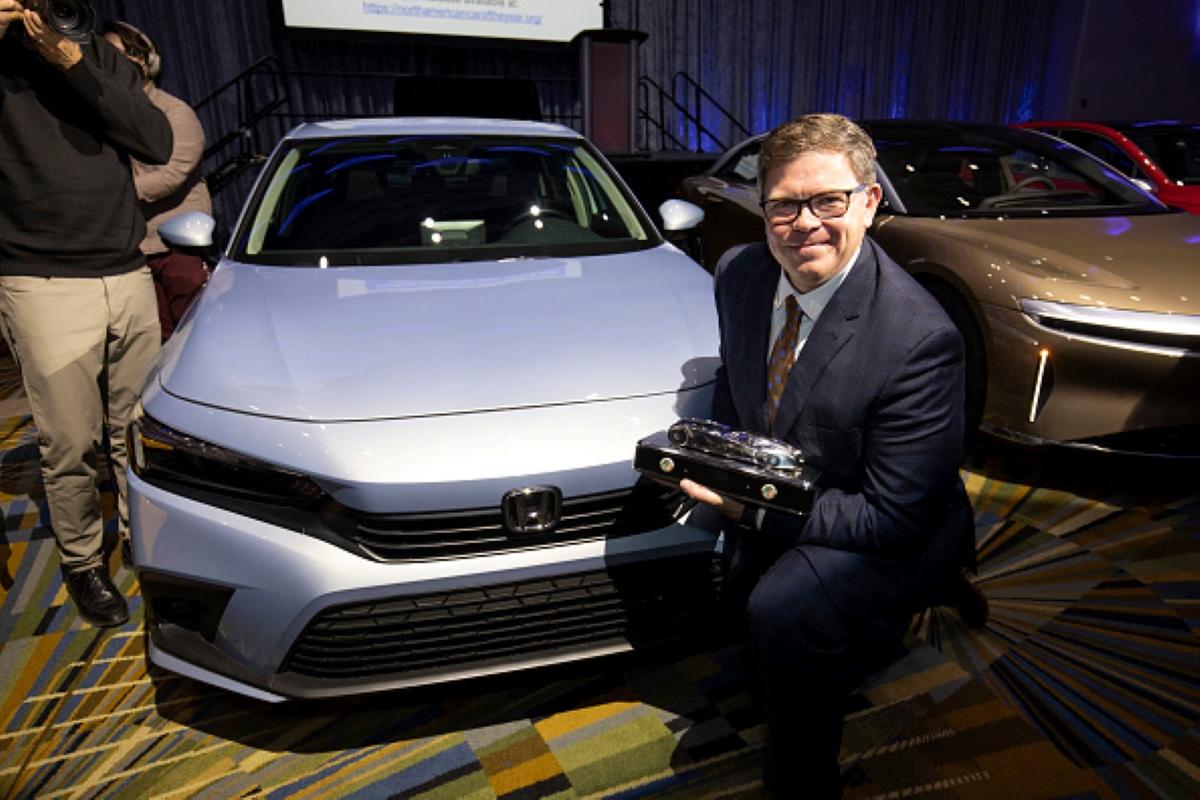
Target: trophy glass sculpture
{"type": "Point", "coordinates": [749, 467]}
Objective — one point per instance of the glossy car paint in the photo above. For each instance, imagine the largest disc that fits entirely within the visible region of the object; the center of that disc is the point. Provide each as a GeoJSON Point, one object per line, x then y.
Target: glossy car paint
{"type": "Point", "coordinates": [410, 388]}
{"type": "Point", "coordinates": [255, 328]}
{"type": "Point", "coordinates": [1094, 388]}
{"type": "Point", "coordinates": [1169, 192]}
{"type": "Point", "coordinates": [1100, 385]}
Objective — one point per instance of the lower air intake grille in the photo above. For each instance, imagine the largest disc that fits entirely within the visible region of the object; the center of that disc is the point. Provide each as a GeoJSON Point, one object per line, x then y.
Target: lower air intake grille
{"type": "Point", "coordinates": [642, 604]}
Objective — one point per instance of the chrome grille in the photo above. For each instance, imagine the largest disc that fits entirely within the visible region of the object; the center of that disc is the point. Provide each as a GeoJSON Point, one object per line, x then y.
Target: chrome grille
{"type": "Point", "coordinates": [640, 604]}
{"type": "Point", "coordinates": [644, 507]}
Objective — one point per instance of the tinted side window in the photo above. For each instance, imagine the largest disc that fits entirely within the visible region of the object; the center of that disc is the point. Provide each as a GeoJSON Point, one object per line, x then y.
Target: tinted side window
{"type": "Point", "coordinates": [1103, 149]}
{"type": "Point", "coordinates": [744, 167]}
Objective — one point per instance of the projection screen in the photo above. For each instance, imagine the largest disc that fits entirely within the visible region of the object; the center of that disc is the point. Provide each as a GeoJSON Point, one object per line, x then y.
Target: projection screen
{"type": "Point", "coordinates": [544, 20]}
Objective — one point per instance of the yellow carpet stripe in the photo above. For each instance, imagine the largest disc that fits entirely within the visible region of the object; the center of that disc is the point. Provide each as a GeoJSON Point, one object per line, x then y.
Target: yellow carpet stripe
{"type": "Point", "coordinates": [150, 735]}
{"type": "Point", "coordinates": [101, 779]}
{"type": "Point", "coordinates": [1182, 764]}
{"type": "Point", "coordinates": [221, 768]}
{"type": "Point", "coordinates": [114, 660]}
{"type": "Point", "coordinates": [526, 774]}
{"type": "Point", "coordinates": [43, 652]}
{"type": "Point", "coordinates": [667, 773]}
{"type": "Point", "coordinates": [146, 681]}
{"type": "Point", "coordinates": [569, 721]}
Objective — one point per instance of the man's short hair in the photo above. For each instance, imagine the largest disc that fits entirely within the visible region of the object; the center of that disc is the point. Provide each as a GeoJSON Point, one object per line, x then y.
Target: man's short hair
{"type": "Point", "coordinates": [818, 133]}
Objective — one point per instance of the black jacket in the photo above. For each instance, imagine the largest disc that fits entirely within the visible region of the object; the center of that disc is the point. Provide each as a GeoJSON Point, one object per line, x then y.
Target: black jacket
{"type": "Point", "coordinates": [875, 401]}
{"type": "Point", "coordinates": [67, 203]}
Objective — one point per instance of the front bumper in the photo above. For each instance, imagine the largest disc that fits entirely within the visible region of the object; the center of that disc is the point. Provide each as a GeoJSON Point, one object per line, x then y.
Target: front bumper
{"type": "Point", "coordinates": [1093, 393]}
{"type": "Point", "coordinates": [300, 617]}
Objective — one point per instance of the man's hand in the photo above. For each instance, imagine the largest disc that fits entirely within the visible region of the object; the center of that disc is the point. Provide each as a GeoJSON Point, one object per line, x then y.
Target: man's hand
{"type": "Point", "coordinates": [10, 10]}
{"type": "Point", "coordinates": [51, 45]}
{"type": "Point", "coordinates": [727, 506]}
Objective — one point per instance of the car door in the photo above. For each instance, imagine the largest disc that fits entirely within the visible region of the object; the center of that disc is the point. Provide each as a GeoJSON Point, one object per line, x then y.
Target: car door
{"type": "Point", "coordinates": [729, 196]}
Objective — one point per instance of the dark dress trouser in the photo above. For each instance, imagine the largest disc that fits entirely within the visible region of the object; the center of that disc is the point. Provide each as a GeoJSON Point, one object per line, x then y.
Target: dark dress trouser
{"type": "Point", "coordinates": [807, 657]}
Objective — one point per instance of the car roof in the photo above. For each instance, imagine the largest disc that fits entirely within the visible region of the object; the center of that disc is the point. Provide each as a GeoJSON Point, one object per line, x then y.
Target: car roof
{"type": "Point", "coordinates": [1117, 125]}
{"type": "Point", "coordinates": [933, 125]}
{"type": "Point", "coordinates": [438, 126]}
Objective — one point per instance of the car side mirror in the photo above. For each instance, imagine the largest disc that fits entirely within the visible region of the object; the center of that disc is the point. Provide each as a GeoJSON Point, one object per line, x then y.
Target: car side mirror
{"type": "Point", "coordinates": [680, 216]}
{"type": "Point", "coordinates": [190, 232]}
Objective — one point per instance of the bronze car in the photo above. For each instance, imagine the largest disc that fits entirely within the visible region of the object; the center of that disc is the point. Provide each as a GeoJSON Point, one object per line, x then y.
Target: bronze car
{"type": "Point", "coordinates": [1076, 292]}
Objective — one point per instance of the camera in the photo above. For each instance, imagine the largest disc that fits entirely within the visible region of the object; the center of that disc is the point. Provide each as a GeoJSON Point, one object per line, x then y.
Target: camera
{"type": "Point", "coordinates": [74, 19]}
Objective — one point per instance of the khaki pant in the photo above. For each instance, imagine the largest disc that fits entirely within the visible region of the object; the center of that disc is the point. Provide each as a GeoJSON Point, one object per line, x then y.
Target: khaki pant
{"type": "Point", "coordinates": [84, 346]}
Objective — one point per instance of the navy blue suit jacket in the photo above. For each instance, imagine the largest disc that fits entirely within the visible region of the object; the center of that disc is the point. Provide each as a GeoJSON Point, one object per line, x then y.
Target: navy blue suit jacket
{"type": "Point", "coordinates": [875, 401]}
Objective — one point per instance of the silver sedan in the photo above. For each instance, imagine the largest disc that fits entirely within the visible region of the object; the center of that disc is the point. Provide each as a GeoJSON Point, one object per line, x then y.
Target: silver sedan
{"type": "Point", "coordinates": [392, 442]}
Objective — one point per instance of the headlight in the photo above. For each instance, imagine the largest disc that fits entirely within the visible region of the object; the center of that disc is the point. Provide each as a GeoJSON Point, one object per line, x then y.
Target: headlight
{"type": "Point", "coordinates": [1176, 331]}
{"type": "Point", "coordinates": [166, 457]}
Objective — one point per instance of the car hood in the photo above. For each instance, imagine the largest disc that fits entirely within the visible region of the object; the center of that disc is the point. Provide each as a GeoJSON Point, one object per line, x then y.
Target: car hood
{"type": "Point", "coordinates": [354, 343]}
{"type": "Point", "coordinates": [1143, 262]}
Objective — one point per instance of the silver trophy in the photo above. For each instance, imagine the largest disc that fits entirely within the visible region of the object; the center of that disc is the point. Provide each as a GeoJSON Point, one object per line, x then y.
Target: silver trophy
{"type": "Point", "coordinates": [746, 466]}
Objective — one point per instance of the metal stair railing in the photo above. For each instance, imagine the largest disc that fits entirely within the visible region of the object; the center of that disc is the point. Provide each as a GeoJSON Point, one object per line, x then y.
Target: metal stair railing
{"type": "Point", "coordinates": [693, 88]}
{"type": "Point", "coordinates": [659, 110]}
{"type": "Point", "coordinates": [668, 100]}
{"type": "Point", "coordinates": [253, 107]}
{"type": "Point", "coordinates": [659, 122]}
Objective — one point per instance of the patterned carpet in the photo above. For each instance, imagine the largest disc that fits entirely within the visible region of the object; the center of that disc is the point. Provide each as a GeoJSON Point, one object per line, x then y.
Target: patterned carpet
{"type": "Point", "coordinates": [1086, 682]}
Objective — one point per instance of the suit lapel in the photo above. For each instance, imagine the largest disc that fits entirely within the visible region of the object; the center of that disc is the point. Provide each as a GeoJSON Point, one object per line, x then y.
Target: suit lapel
{"type": "Point", "coordinates": [756, 322]}
{"type": "Point", "coordinates": [835, 327]}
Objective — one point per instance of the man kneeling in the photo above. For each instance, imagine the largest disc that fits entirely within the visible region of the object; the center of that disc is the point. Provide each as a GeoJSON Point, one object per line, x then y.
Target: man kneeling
{"type": "Point", "coordinates": [829, 345]}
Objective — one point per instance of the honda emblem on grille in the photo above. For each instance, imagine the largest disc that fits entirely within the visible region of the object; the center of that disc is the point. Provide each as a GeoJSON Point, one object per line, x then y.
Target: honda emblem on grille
{"type": "Point", "coordinates": [534, 509]}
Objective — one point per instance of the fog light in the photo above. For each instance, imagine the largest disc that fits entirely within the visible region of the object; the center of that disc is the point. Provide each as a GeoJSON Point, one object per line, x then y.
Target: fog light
{"type": "Point", "coordinates": [187, 604]}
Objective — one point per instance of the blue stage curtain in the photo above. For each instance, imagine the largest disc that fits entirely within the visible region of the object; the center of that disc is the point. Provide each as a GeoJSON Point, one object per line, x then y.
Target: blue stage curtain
{"type": "Point", "coordinates": [770, 60]}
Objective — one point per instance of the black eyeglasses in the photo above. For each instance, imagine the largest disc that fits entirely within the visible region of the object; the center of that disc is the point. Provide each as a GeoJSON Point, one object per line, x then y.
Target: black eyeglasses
{"type": "Point", "coordinates": [826, 205]}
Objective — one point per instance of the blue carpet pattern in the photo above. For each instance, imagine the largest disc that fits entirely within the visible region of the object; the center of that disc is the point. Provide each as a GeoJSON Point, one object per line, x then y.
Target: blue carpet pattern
{"type": "Point", "coordinates": [1085, 682]}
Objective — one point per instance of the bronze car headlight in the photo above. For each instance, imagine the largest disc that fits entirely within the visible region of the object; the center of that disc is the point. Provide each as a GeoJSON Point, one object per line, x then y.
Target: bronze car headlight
{"type": "Point", "coordinates": [1120, 326]}
{"type": "Point", "coordinates": [165, 457]}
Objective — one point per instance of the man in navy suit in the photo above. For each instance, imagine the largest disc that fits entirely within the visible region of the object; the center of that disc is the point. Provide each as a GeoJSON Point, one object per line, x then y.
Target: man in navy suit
{"type": "Point", "coordinates": [829, 345]}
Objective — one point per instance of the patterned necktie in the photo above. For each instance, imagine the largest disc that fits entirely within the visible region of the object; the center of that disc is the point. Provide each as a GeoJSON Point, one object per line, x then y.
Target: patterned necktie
{"type": "Point", "coordinates": [783, 355]}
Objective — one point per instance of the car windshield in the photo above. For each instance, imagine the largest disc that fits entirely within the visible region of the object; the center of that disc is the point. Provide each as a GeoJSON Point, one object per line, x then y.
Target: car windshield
{"type": "Point", "coordinates": [428, 199]}
{"type": "Point", "coordinates": [965, 173]}
{"type": "Point", "coordinates": [1175, 148]}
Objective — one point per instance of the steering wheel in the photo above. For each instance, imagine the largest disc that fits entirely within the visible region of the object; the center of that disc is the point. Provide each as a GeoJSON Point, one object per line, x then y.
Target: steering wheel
{"type": "Point", "coordinates": [527, 214]}
{"type": "Point", "coordinates": [1026, 183]}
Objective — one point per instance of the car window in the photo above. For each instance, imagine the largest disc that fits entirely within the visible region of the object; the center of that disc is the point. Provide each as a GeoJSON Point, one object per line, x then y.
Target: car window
{"type": "Point", "coordinates": [951, 171]}
{"type": "Point", "coordinates": [1176, 149]}
{"type": "Point", "coordinates": [436, 198]}
{"type": "Point", "coordinates": [1103, 149]}
{"type": "Point", "coordinates": [743, 167]}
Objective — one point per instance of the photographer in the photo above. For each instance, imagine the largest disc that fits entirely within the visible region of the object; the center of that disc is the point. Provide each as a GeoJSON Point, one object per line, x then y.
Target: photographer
{"type": "Point", "coordinates": [77, 303]}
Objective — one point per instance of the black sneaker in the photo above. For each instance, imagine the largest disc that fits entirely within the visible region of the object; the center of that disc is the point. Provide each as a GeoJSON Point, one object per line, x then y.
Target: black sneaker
{"type": "Point", "coordinates": [98, 599]}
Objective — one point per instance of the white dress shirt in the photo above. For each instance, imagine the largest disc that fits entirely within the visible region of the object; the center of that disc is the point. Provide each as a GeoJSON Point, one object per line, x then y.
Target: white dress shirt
{"type": "Point", "coordinates": [811, 303]}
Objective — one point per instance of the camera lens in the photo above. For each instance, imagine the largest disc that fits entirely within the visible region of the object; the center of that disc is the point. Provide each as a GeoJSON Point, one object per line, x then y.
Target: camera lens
{"type": "Point", "coordinates": [72, 18]}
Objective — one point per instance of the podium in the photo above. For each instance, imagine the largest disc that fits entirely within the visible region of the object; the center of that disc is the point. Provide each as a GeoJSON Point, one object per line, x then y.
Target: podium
{"type": "Point", "coordinates": [608, 71]}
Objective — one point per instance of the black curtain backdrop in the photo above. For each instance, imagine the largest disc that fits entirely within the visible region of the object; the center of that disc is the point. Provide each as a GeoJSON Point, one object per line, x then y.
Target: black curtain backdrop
{"type": "Point", "coordinates": [763, 60]}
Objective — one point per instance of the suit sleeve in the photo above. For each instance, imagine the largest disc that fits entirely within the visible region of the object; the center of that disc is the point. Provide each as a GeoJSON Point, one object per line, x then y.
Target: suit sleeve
{"type": "Point", "coordinates": [723, 408]}
{"type": "Point", "coordinates": [110, 87]}
{"type": "Point", "coordinates": [155, 183]}
{"type": "Point", "coordinates": [912, 448]}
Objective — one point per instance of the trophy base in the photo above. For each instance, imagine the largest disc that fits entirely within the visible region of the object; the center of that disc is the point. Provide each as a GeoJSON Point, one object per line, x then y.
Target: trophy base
{"type": "Point", "coordinates": [791, 492]}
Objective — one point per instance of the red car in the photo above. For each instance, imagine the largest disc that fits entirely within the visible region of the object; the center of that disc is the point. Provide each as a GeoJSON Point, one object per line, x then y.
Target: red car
{"type": "Point", "coordinates": [1165, 154]}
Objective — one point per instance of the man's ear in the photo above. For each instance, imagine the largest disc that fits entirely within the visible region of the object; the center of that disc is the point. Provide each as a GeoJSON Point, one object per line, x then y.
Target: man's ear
{"type": "Point", "coordinates": [874, 194]}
